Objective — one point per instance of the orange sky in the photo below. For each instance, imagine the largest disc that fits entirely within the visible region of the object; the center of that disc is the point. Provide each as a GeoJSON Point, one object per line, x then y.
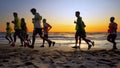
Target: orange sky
{"type": "Point", "coordinates": [95, 27]}
{"type": "Point", "coordinates": [94, 13]}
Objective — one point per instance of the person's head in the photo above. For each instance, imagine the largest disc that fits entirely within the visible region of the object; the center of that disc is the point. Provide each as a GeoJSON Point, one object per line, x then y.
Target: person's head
{"type": "Point", "coordinates": [7, 23]}
{"type": "Point", "coordinates": [77, 13]}
{"type": "Point", "coordinates": [22, 20]}
{"type": "Point", "coordinates": [112, 19]}
{"type": "Point", "coordinates": [15, 14]}
{"type": "Point", "coordinates": [33, 11]}
{"type": "Point", "coordinates": [44, 20]}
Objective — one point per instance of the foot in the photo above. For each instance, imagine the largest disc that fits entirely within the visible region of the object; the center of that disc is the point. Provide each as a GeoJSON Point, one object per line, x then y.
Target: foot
{"type": "Point", "coordinates": [50, 42]}
{"type": "Point", "coordinates": [74, 47]}
{"type": "Point", "coordinates": [89, 47]}
{"type": "Point", "coordinates": [53, 43]}
{"type": "Point", "coordinates": [13, 44]}
{"type": "Point", "coordinates": [93, 43]}
{"type": "Point", "coordinates": [42, 46]}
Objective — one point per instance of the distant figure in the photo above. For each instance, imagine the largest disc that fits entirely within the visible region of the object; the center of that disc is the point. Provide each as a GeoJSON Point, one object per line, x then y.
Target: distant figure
{"type": "Point", "coordinates": [37, 27]}
{"type": "Point", "coordinates": [24, 31]}
{"type": "Point", "coordinates": [46, 28]}
{"type": "Point", "coordinates": [80, 31]}
{"type": "Point", "coordinates": [112, 32]}
{"type": "Point", "coordinates": [17, 28]}
{"type": "Point", "coordinates": [8, 32]}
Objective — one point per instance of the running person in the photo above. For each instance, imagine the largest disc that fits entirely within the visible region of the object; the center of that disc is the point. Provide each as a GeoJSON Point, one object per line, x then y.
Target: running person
{"type": "Point", "coordinates": [46, 28]}
{"type": "Point", "coordinates": [112, 32]}
{"type": "Point", "coordinates": [80, 31]}
{"type": "Point", "coordinates": [8, 32]}
{"type": "Point", "coordinates": [24, 32]}
{"type": "Point", "coordinates": [37, 27]}
{"type": "Point", "coordinates": [17, 28]}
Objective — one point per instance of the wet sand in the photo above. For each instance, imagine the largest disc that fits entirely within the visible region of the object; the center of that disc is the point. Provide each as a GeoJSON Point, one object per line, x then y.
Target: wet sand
{"type": "Point", "coordinates": [57, 57]}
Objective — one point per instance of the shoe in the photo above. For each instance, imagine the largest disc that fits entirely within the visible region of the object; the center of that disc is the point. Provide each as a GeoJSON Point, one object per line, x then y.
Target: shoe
{"type": "Point", "coordinates": [13, 44]}
{"type": "Point", "coordinates": [42, 46]}
{"type": "Point", "coordinates": [93, 43]}
{"type": "Point", "coordinates": [89, 47]}
{"type": "Point", "coordinates": [74, 47]}
{"type": "Point", "coordinates": [53, 43]}
{"type": "Point", "coordinates": [50, 42]}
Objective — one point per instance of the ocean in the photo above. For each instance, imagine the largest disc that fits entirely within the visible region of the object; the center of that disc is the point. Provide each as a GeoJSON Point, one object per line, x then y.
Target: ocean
{"type": "Point", "coordinates": [67, 39]}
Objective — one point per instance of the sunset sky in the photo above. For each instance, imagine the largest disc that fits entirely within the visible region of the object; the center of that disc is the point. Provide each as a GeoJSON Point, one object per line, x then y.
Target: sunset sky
{"type": "Point", "coordinates": [61, 13]}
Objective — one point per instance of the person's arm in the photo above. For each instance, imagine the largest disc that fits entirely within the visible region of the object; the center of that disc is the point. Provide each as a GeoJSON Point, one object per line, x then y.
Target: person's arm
{"type": "Point", "coordinates": [49, 26]}
{"type": "Point", "coordinates": [116, 26]}
{"type": "Point", "coordinates": [83, 24]}
{"type": "Point", "coordinates": [75, 22]}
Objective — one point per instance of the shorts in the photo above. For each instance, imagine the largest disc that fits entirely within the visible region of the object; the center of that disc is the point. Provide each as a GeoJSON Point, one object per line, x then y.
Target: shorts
{"type": "Point", "coordinates": [80, 33]}
{"type": "Point", "coordinates": [112, 36]}
{"type": "Point", "coordinates": [37, 31]}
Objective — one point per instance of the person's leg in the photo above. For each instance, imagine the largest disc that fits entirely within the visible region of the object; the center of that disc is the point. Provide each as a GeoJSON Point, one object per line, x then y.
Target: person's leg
{"type": "Point", "coordinates": [33, 38]}
{"type": "Point", "coordinates": [26, 36]}
{"type": "Point", "coordinates": [77, 35]}
{"type": "Point", "coordinates": [11, 38]}
{"type": "Point", "coordinates": [45, 36]}
{"type": "Point", "coordinates": [21, 37]}
{"type": "Point", "coordinates": [79, 41]}
{"type": "Point", "coordinates": [76, 38]}
{"type": "Point", "coordinates": [87, 41]}
{"type": "Point", "coordinates": [40, 34]}
{"type": "Point", "coordinates": [14, 36]}
{"type": "Point", "coordinates": [49, 41]}
{"type": "Point", "coordinates": [7, 38]}
{"type": "Point", "coordinates": [14, 39]}
{"type": "Point", "coordinates": [109, 38]}
{"type": "Point", "coordinates": [113, 41]}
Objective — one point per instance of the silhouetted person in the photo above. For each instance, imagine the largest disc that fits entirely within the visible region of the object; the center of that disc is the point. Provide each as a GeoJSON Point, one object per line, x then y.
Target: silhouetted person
{"type": "Point", "coordinates": [80, 32]}
{"type": "Point", "coordinates": [17, 28]}
{"type": "Point", "coordinates": [112, 32]}
{"type": "Point", "coordinates": [46, 28]}
{"type": "Point", "coordinates": [24, 32]}
{"type": "Point", "coordinates": [8, 32]}
{"type": "Point", "coordinates": [37, 27]}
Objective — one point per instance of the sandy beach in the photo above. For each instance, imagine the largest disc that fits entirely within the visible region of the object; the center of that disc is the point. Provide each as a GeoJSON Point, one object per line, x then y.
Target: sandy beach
{"type": "Point", "coordinates": [57, 57]}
